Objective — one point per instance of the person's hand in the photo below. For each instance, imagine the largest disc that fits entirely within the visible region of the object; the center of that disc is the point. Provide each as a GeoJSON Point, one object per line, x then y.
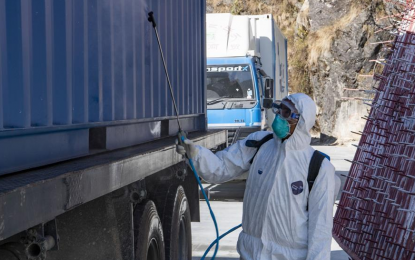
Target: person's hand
{"type": "Point", "coordinates": [188, 148]}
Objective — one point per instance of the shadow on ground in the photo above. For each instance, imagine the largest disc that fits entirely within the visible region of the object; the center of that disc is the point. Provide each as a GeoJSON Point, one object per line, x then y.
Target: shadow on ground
{"type": "Point", "coordinates": [229, 191]}
{"type": "Point", "coordinates": [339, 255]}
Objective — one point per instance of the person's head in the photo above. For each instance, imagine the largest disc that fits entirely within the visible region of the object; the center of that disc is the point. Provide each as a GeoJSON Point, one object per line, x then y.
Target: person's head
{"type": "Point", "coordinates": [286, 118]}
{"type": "Point", "coordinates": [303, 117]}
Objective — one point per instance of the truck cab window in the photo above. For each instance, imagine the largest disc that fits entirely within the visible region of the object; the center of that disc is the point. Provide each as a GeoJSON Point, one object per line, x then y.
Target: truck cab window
{"type": "Point", "coordinates": [232, 81]}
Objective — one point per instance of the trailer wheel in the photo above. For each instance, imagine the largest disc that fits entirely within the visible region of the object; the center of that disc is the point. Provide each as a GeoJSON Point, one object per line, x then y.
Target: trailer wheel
{"type": "Point", "coordinates": [148, 232]}
{"type": "Point", "coordinates": [176, 225]}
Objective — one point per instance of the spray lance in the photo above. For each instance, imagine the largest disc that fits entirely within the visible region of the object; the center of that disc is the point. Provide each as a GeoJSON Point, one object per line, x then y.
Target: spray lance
{"type": "Point", "coordinates": [182, 137]}
{"type": "Point", "coordinates": [181, 134]}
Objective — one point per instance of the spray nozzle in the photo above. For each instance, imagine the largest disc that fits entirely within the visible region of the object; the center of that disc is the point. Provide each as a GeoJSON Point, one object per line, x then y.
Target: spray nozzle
{"type": "Point", "coordinates": [151, 19]}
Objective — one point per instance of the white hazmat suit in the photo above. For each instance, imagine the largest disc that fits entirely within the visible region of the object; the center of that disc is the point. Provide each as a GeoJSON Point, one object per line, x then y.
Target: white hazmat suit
{"type": "Point", "coordinates": [276, 223]}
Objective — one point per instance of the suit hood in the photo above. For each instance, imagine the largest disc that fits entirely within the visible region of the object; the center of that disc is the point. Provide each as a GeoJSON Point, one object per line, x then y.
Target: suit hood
{"type": "Point", "coordinates": [301, 137]}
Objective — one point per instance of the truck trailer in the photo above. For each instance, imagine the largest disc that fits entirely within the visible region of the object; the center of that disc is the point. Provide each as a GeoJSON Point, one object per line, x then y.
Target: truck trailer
{"type": "Point", "coordinates": [246, 71]}
{"type": "Point", "coordinates": [88, 168]}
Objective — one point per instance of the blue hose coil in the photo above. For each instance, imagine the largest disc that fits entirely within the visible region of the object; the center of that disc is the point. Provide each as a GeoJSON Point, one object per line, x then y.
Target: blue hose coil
{"type": "Point", "coordinates": [222, 236]}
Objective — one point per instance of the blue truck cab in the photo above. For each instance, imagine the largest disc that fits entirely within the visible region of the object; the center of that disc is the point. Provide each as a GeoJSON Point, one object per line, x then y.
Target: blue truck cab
{"type": "Point", "coordinates": [233, 93]}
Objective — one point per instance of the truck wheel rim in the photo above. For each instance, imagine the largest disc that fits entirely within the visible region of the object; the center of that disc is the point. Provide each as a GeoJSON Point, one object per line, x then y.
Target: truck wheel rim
{"type": "Point", "coordinates": [153, 249]}
{"type": "Point", "coordinates": [182, 240]}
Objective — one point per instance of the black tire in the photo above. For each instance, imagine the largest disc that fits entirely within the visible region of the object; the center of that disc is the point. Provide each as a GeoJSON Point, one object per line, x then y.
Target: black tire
{"type": "Point", "coordinates": [177, 225]}
{"type": "Point", "coordinates": [148, 232]}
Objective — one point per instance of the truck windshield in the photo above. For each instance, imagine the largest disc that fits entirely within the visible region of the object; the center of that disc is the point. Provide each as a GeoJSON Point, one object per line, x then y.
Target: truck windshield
{"type": "Point", "coordinates": [230, 82]}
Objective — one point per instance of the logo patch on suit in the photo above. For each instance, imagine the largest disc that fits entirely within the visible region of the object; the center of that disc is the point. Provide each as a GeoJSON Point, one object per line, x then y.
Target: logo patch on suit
{"type": "Point", "coordinates": [260, 171]}
{"type": "Point", "coordinates": [297, 187]}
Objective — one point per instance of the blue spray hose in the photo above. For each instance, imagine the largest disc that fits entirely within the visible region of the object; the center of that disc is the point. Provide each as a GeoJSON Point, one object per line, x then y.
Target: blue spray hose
{"type": "Point", "coordinates": [210, 209]}
{"type": "Point", "coordinates": [216, 241]}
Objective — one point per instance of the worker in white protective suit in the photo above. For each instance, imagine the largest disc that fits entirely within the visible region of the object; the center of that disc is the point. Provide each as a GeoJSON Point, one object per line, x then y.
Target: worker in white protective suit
{"type": "Point", "coordinates": [276, 222]}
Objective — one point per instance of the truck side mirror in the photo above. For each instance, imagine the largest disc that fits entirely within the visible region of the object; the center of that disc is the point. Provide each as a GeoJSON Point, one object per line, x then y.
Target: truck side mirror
{"type": "Point", "coordinates": [262, 72]}
{"type": "Point", "coordinates": [269, 88]}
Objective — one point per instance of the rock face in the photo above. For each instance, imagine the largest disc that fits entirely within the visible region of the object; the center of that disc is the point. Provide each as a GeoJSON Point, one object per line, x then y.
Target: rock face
{"type": "Point", "coordinates": [337, 35]}
{"type": "Point", "coordinates": [222, 5]}
{"type": "Point", "coordinates": [325, 13]}
{"type": "Point", "coordinates": [337, 68]}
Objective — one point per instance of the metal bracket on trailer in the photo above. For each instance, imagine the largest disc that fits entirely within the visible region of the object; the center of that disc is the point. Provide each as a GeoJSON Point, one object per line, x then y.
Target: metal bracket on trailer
{"type": "Point", "coordinates": [34, 244]}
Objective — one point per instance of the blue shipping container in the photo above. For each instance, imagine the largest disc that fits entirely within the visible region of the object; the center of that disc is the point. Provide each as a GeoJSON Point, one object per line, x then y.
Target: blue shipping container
{"type": "Point", "coordinates": [80, 76]}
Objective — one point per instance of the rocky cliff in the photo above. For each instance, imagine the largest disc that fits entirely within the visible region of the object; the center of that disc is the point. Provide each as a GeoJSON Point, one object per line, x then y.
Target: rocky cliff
{"type": "Point", "coordinates": [330, 47]}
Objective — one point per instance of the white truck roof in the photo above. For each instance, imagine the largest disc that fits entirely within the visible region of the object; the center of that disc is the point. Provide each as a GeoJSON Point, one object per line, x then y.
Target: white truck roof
{"type": "Point", "coordinates": [230, 35]}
